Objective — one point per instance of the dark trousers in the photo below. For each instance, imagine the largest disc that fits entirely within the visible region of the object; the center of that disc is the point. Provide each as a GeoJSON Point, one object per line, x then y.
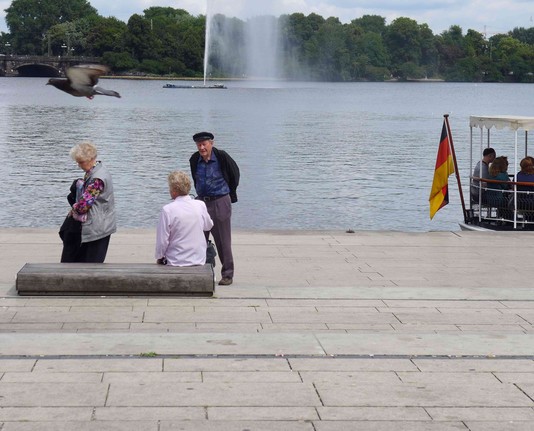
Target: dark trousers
{"type": "Point", "coordinates": [220, 211]}
{"type": "Point", "coordinates": [71, 249]}
{"type": "Point", "coordinates": [94, 251]}
{"type": "Point", "coordinates": [71, 235]}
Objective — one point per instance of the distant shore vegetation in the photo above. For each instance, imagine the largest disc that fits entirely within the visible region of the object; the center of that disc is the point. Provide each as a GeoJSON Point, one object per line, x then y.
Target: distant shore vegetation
{"type": "Point", "coordinates": [170, 42]}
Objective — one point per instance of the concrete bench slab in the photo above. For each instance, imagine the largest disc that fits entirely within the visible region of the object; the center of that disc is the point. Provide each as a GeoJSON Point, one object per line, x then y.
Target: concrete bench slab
{"type": "Point", "coordinates": [114, 279]}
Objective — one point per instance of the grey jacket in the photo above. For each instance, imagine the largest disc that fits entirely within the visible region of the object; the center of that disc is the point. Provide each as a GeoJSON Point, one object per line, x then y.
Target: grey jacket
{"type": "Point", "coordinates": [101, 220]}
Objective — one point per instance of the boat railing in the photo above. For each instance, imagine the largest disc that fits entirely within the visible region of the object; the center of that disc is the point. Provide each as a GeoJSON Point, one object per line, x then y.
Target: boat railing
{"type": "Point", "coordinates": [502, 202]}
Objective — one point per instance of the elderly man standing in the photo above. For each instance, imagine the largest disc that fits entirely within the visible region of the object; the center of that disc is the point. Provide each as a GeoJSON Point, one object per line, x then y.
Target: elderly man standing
{"type": "Point", "coordinates": [216, 177]}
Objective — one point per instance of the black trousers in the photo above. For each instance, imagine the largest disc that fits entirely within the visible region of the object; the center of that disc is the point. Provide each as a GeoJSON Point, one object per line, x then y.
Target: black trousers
{"type": "Point", "coordinates": [94, 251]}
{"type": "Point", "coordinates": [71, 235]}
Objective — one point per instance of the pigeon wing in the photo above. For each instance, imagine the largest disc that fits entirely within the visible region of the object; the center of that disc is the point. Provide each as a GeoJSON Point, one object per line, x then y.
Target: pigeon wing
{"type": "Point", "coordinates": [85, 75]}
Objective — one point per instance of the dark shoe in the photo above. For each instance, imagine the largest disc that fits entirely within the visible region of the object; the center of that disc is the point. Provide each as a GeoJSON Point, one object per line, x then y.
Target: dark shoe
{"type": "Point", "coordinates": [225, 281]}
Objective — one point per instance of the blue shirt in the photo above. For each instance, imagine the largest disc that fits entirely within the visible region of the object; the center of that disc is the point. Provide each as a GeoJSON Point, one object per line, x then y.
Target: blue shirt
{"type": "Point", "coordinates": [209, 179]}
{"type": "Point", "coordinates": [525, 178]}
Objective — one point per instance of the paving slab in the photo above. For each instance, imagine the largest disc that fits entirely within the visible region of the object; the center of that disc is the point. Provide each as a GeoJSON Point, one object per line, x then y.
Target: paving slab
{"type": "Point", "coordinates": [237, 426]}
{"type": "Point", "coordinates": [262, 414]}
{"type": "Point", "coordinates": [424, 395]}
{"type": "Point", "coordinates": [45, 414]}
{"type": "Point", "coordinates": [349, 378]}
{"type": "Point", "coordinates": [373, 414]}
{"type": "Point", "coordinates": [456, 365]}
{"type": "Point", "coordinates": [227, 364]}
{"type": "Point", "coordinates": [164, 344]}
{"type": "Point", "coordinates": [428, 344]}
{"type": "Point", "coordinates": [517, 378]}
{"type": "Point", "coordinates": [142, 378]}
{"type": "Point", "coordinates": [81, 426]}
{"type": "Point", "coordinates": [76, 314]}
{"type": "Point", "coordinates": [97, 365]}
{"type": "Point", "coordinates": [527, 388]}
{"type": "Point", "coordinates": [251, 376]}
{"type": "Point", "coordinates": [500, 426]}
{"type": "Point", "coordinates": [389, 426]}
{"type": "Point", "coordinates": [213, 394]}
{"type": "Point", "coordinates": [52, 377]}
{"type": "Point", "coordinates": [56, 394]}
{"type": "Point", "coordinates": [131, 414]}
{"type": "Point", "coordinates": [16, 365]}
{"type": "Point", "coordinates": [345, 364]}
{"type": "Point", "coordinates": [495, 414]}
{"type": "Point", "coordinates": [426, 292]}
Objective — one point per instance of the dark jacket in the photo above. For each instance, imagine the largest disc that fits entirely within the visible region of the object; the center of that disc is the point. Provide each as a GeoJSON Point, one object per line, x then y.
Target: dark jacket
{"type": "Point", "coordinates": [229, 168]}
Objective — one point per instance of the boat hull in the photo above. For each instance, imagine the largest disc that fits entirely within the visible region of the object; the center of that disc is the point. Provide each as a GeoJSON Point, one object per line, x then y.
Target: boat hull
{"type": "Point", "coordinates": [472, 227]}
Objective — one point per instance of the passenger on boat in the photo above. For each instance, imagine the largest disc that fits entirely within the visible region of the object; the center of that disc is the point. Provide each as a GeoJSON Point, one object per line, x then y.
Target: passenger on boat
{"type": "Point", "coordinates": [526, 174]}
{"type": "Point", "coordinates": [496, 194]}
{"type": "Point", "coordinates": [481, 171]}
{"type": "Point", "coordinates": [525, 195]}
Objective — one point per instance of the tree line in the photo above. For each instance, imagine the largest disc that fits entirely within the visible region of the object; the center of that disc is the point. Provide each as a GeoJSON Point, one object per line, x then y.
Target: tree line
{"type": "Point", "coordinates": [170, 42]}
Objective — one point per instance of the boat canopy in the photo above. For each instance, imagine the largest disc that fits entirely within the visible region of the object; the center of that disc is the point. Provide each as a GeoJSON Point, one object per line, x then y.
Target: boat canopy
{"type": "Point", "coordinates": [500, 204]}
{"type": "Point", "coordinates": [502, 121]}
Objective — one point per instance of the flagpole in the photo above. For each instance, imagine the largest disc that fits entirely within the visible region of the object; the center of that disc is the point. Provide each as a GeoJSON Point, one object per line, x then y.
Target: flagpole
{"type": "Point", "coordinates": [457, 172]}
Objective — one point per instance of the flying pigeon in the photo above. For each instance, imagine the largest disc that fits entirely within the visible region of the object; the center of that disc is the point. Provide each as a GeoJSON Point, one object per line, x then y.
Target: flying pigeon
{"type": "Point", "coordinates": [82, 81]}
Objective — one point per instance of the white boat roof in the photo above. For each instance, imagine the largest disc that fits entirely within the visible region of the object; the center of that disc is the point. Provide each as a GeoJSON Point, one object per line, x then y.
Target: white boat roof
{"type": "Point", "coordinates": [501, 122]}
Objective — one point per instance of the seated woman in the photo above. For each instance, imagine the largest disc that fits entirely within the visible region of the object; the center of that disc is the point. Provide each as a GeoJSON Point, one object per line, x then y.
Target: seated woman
{"type": "Point", "coordinates": [497, 194]}
{"type": "Point", "coordinates": [180, 237]}
{"type": "Point", "coordinates": [525, 195]}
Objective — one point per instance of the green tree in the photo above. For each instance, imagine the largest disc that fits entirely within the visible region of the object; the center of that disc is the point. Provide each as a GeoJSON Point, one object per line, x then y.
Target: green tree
{"type": "Point", "coordinates": [429, 51]}
{"type": "Point", "coordinates": [365, 41]}
{"type": "Point", "coordinates": [120, 61]}
{"type": "Point", "coordinates": [525, 35]}
{"type": "Point", "coordinates": [371, 24]}
{"type": "Point", "coordinates": [373, 47]}
{"type": "Point", "coordinates": [514, 58]}
{"type": "Point", "coordinates": [328, 53]}
{"type": "Point", "coordinates": [68, 38]}
{"type": "Point", "coordinates": [451, 47]}
{"type": "Point", "coordinates": [140, 39]}
{"type": "Point", "coordinates": [404, 45]}
{"type": "Point", "coordinates": [105, 35]}
{"type": "Point", "coordinates": [30, 20]}
{"type": "Point", "coordinates": [295, 31]}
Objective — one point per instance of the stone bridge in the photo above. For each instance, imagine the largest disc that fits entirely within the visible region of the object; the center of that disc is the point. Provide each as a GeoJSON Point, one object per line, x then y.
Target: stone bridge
{"type": "Point", "coordinates": [42, 66]}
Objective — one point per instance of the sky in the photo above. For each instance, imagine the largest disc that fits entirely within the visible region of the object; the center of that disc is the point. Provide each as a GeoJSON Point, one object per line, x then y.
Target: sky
{"type": "Point", "coordinates": [485, 16]}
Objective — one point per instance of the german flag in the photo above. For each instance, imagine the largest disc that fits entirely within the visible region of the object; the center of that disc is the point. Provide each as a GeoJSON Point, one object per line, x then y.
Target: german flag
{"type": "Point", "coordinates": [439, 195]}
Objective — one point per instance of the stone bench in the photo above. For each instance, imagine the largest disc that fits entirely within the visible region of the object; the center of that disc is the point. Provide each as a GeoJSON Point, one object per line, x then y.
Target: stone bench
{"type": "Point", "coordinates": [105, 279]}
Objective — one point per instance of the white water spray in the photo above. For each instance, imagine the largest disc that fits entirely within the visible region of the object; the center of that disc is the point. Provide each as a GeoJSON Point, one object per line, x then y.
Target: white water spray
{"type": "Point", "coordinates": [208, 38]}
{"type": "Point", "coordinates": [241, 40]}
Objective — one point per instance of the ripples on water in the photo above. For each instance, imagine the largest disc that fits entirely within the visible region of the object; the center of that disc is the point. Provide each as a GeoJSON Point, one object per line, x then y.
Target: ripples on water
{"type": "Point", "coordinates": [312, 156]}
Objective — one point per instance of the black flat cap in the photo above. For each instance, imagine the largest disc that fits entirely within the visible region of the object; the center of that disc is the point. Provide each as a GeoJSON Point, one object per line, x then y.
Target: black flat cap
{"type": "Point", "coordinates": [202, 136]}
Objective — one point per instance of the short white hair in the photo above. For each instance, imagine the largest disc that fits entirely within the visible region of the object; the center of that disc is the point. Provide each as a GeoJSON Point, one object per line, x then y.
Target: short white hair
{"type": "Point", "coordinates": [179, 182]}
{"type": "Point", "coordinates": [83, 152]}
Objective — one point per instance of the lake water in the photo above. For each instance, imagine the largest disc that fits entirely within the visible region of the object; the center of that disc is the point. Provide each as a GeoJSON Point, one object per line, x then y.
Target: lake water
{"type": "Point", "coordinates": [355, 156]}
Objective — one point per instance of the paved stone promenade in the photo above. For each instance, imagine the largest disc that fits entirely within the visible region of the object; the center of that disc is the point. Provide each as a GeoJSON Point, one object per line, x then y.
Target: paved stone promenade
{"type": "Point", "coordinates": [320, 331]}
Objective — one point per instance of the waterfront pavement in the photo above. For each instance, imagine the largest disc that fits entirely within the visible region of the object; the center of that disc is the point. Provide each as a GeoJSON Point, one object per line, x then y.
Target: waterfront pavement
{"type": "Point", "coordinates": [320, 331]}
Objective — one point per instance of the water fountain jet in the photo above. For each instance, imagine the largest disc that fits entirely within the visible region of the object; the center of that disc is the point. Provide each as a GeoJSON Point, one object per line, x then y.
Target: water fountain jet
{"type": "Point", "coordinates": [243, 42]}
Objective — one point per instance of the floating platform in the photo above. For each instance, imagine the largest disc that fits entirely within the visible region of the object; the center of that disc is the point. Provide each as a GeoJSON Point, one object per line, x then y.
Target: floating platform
{"type": "Point", "coordinates": [217, 86]}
